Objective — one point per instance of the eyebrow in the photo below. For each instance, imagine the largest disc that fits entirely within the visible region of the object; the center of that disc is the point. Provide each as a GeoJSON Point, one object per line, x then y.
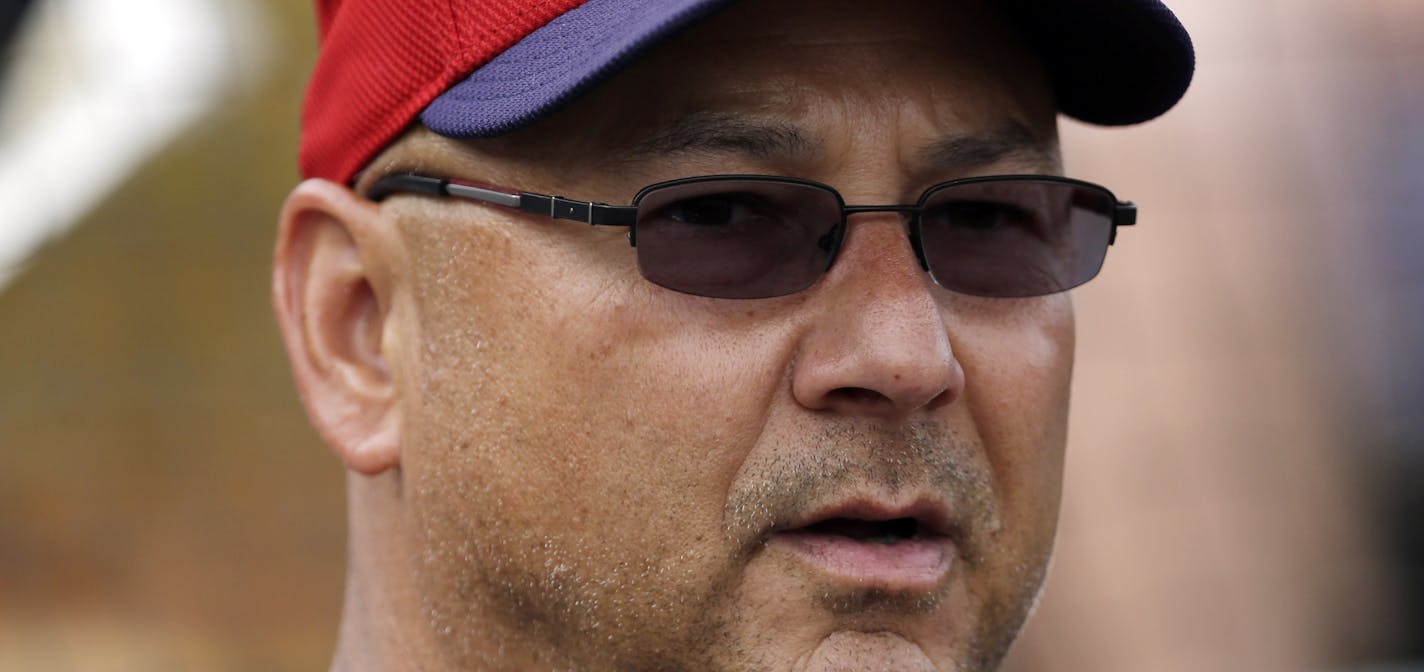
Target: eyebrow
{"type": "Point", "coordinates": [1011, 140]}
{"type": "Point", "coordinates": [726, 133]}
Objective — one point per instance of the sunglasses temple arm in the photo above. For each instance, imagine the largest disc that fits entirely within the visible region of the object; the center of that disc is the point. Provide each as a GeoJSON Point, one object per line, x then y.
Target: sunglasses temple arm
{"type": "Point", "coordinates": [434, 186]}
{"type": "Point", "coordinates": [596, 214]}
{"type": "Point", "coordinates": [553, 206]}
{"type": "Point", "coordinates": [1124, 214]}
{"type": "Point", "coordinates": [404, 183]}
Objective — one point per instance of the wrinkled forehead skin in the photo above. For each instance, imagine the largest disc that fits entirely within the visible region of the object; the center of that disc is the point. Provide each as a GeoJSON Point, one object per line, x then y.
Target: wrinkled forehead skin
{"type": "Point", "coordinates": [597, 473]}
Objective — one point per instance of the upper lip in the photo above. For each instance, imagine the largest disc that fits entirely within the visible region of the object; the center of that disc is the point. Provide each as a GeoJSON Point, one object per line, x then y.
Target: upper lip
{"type": "Point", "coordinates": [931, 515]}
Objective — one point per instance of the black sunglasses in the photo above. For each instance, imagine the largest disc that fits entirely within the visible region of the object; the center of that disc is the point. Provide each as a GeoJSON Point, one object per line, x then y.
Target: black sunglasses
{"type": "Point", "coordinates": [759, 236]}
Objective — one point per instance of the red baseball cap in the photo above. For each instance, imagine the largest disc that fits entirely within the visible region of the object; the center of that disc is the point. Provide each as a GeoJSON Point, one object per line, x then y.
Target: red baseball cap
{"type": "Point", "coordinates": [480, 68]}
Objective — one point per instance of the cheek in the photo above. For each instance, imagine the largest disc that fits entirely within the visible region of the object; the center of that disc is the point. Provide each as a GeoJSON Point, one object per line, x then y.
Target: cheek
{"type": "Point", "coordinates": [1018, 362]}
{"type": "Point", "coordinates": [663, 400]}
{"type": "Point", "coordinates": [573, 401]}
{"type": "Point", "coordinates": [573, 448]}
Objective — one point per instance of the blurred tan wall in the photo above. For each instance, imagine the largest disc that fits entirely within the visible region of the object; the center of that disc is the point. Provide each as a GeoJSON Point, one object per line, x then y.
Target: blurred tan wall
{"type": "Point", "coordinates": [1217, 514]}
{"type": "Point", "coordinates": [163, 504]}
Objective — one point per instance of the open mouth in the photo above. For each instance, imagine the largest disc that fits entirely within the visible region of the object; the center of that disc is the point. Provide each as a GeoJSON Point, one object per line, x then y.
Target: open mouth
{"type": "Point", "coordinates": [868, 545]}
{"type": "Point", "coordinates": [867, 531]}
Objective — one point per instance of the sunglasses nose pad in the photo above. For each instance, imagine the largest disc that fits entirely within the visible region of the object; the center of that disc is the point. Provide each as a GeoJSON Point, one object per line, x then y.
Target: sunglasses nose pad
{"type": "Point", "coordinates": [917, 246]}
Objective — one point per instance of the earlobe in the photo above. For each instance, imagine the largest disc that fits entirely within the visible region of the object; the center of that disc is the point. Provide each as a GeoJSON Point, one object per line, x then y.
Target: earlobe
{"type": "Point", "coordinates": [332, 288]}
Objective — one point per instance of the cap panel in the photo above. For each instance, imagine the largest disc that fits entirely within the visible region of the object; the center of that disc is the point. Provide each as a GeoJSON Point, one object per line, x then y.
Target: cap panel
{"type": "Point", "coordinates": [558, 62]}
{"type": "Point", "coordinates": [382, 61]}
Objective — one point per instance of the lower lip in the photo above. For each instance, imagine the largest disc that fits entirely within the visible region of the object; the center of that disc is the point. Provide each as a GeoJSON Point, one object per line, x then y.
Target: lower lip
{"type": "Point", "coordinates": [919, 563]}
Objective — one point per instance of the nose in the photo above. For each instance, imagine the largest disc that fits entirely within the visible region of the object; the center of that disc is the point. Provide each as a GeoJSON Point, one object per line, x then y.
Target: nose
{"type": "Point", "coordinates": [878, 344]}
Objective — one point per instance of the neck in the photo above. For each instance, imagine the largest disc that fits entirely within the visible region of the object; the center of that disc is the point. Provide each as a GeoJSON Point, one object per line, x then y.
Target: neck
{"type": "Point", "coordinates": [381, 624]}
{"type": "Point", "coordinates": [383, 627]}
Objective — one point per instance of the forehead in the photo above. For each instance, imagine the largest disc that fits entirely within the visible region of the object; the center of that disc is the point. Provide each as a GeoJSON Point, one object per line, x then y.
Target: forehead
{"type": "Point", "coordinates": [784, 47]}
{"type": "Point", "coordinates": [793, 82]}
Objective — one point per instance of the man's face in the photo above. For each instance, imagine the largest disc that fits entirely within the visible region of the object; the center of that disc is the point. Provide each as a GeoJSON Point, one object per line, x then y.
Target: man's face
{"type": "Point", "coordinates": [612, 475]}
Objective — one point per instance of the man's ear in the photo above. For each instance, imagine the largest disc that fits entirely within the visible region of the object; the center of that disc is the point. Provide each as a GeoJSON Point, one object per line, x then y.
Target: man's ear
{"type": "Point", "coordinates": [333, 288]}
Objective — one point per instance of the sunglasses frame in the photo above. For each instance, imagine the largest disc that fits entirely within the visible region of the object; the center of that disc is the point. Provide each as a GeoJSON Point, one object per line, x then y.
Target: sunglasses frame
{"type": "Point", "coordinates": [602, 214]}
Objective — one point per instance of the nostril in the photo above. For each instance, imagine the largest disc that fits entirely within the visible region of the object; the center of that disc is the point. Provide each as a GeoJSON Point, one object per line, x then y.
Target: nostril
{"type": "Point", "coordinates": [859, 396]}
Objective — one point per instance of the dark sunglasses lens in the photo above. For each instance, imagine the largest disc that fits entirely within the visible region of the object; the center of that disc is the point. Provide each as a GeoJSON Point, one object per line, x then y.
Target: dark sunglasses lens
{"type": "Point", "coordinates": [1015, 238]}
{"type": "Point", "coordinates": [736, 238]}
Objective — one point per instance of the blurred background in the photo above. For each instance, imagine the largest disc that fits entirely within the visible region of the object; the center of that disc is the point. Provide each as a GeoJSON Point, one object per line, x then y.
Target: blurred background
{"type": "Point", "coordinates": [1246, 462]}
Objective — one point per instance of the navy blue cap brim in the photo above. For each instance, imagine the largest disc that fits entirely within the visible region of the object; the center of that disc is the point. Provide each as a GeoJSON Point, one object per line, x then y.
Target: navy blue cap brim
{"type": "Point", "coordinates": [1111, 62]}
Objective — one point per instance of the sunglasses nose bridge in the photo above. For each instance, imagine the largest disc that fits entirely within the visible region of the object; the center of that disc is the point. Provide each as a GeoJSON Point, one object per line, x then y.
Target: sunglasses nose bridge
{"type": "Point", "coordinates": [909, 219]}
{"type": "Point", "coordinates": [905, 210]}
